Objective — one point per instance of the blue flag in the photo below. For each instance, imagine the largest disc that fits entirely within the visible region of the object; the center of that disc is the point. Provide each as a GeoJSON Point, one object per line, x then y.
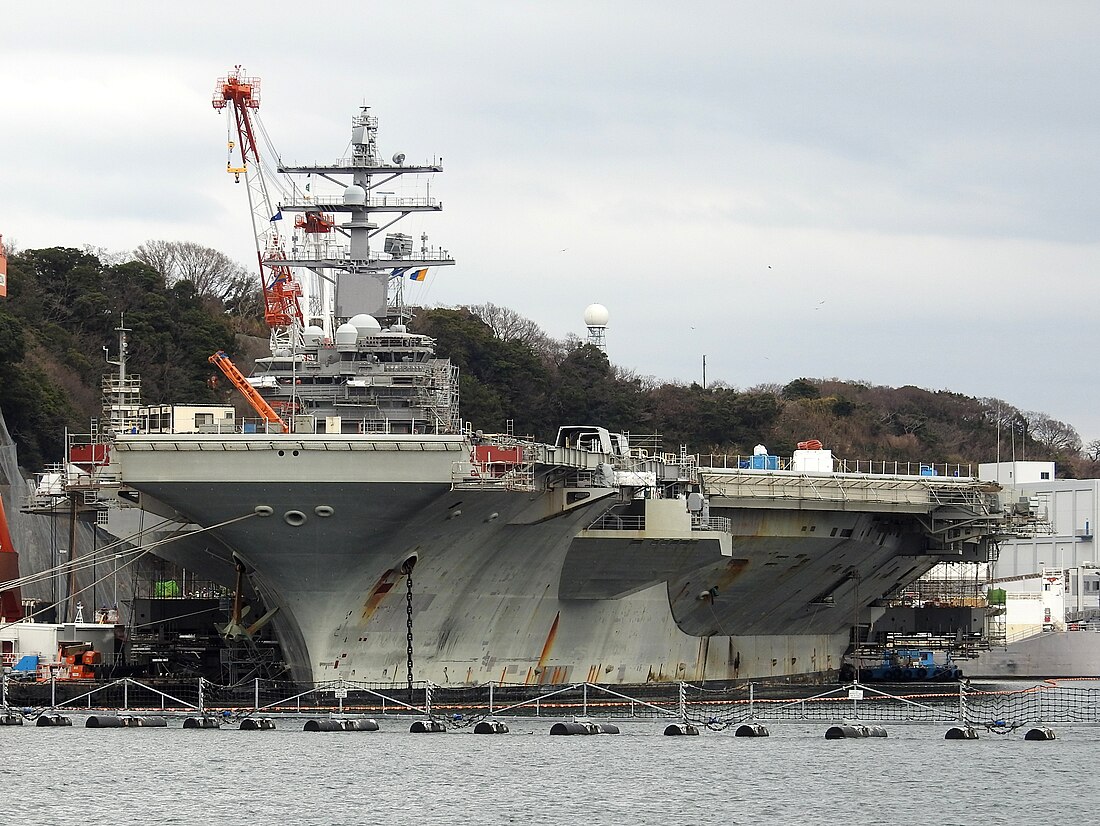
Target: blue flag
{"type": "Point", "coordinates": [278, 216]}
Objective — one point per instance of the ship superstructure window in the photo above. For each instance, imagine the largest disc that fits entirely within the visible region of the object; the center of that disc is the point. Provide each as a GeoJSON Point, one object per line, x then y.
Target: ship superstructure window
{"type": "Point", "coordinates": [204, 419]}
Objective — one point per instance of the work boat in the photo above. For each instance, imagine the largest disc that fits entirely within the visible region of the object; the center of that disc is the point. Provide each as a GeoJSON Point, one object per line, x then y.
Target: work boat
{"type": "Point", "coordinates": [362, 510]}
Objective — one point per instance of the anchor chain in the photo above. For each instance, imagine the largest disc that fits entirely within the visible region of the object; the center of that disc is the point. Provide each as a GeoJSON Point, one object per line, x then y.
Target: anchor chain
{"type": "Point", "coordinates": [409, 624]}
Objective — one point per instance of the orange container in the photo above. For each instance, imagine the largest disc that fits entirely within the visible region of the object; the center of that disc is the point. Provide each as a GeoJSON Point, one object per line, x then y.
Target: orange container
{"type": "Point", "coordinates": [70, 659]}
{"type": "Point", "coordinates": [91, 658]}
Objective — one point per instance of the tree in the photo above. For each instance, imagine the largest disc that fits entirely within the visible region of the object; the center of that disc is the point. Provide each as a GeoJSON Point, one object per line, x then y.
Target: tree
{"type": "Point", "coordinates": [1055, 436]}
{"type": "Point", "coordinates": [801, 389]}
{"type": "Point", "coordinates": [1092, 450]}
{"type": "Point", "coordinates": [508, 325]}
{"type": "Point", "coordinates": [214, 274]}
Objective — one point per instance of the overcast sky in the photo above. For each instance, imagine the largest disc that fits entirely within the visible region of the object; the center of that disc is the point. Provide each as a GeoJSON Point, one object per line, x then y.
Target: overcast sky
{"type": "Point", "coordinates": [894, 192]}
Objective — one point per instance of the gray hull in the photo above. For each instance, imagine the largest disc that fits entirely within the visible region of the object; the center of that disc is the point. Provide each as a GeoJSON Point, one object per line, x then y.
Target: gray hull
{"type": "Point", "coordinates": [514, 586]}
{"type": "Point", "coordinates": [1051, 654]}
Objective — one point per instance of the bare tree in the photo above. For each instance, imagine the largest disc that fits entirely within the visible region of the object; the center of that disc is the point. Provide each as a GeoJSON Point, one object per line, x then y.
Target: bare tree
{"type": "Point", "coordinates": [213, 273]}
{"type": "Point", "coordinates": [1001, 413]}
{"type": "Point", "coordinates": [508, 325]}
{"type": "Point", "coordinates": [1092, 450]}
{"type": "Point", "coordinates": [1052, 434]}
{"type": "Point", "coordinates": [107, 258]}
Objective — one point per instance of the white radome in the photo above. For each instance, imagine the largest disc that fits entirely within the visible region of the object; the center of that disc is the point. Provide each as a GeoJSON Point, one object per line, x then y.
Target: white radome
{"type": "Point", "coordinates": [596, 315]}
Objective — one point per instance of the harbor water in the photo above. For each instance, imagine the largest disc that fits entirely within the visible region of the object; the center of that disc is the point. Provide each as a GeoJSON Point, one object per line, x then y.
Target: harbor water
{"type": "Point", "coordinates": [795, 776]}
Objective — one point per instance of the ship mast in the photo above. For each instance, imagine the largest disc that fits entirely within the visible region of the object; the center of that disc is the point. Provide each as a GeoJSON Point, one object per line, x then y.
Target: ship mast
{"type": "Point", "coordinates": [121, 392]}
{"type": "Point", "coordinates": [363, 273]}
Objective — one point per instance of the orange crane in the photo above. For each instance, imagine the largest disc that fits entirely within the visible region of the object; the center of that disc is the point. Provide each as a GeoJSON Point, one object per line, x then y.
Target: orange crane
{"type": "Point", "coordinates": [282, 310]}
{"type": "Point", "coordinates": [259, 404]}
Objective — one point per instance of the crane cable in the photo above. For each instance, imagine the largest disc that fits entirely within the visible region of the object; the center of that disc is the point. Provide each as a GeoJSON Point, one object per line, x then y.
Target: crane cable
{"type": "Point", "coordinates": [81, 563]}
{"type": "Point", "coordinates": [138, 554]}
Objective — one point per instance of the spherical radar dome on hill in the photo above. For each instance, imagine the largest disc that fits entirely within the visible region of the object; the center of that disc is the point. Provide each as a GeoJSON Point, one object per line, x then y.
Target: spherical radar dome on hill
{"type": "Point", "coordinates": [596, 315]}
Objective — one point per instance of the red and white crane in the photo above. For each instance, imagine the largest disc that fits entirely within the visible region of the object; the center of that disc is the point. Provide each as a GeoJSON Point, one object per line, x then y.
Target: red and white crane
{"type": "Point", "coordinates": [282, 309]}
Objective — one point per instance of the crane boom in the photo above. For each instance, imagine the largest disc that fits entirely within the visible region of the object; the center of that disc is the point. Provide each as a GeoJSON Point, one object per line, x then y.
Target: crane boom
{"type": "Point", "coordinates": [259, 404]}
{"type": "Point", "coordinates": [282, 309]}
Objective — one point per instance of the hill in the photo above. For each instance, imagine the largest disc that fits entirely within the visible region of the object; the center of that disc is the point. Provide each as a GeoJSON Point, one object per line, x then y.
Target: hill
{"type": "Point", "coordinates": [64, 304]}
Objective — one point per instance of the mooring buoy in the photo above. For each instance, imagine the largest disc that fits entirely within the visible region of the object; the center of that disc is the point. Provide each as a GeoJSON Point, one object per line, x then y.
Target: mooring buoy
{"type": "Point", "coordinates": [257, 724]}
{"type": "Point", "coordinates": [491, 727]}
{"type": "Point", "coordinates": [751, 730]}
{"type": "Point", "coordinates": [847, 730]}
{"type": "Point", "coordinates": [961, 733]}
{"type": "Point", "coordinates": [201, 722]}
{"type": "Point", "coordinates": [675, 729]}
{"type": "Point", "coordinates": [1039, 733]}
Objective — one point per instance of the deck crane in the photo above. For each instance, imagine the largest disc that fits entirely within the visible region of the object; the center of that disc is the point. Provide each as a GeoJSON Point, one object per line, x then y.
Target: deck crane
{"type": "Point", "coordinates": [259, 404]}
{"type": "Point", "coordinates": [282, 310]}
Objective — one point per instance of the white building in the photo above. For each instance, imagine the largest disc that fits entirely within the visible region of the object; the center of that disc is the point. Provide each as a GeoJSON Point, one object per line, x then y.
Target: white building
{"type": "Point", "coordinates": [186, 418]}
{"type": "Point", "coordinates": [1059, 556]}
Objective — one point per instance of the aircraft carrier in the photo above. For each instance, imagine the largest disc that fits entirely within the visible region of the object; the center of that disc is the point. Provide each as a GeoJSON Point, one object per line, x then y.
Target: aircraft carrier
{"type": "Point", "coordinates": [394, 542]}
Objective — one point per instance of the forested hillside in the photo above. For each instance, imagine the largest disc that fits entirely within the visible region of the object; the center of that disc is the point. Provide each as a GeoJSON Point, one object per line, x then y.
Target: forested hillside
{"type": "Point", "coordinates": [61, 311]}
{"type": "Point", "coordinates": [184, 302]}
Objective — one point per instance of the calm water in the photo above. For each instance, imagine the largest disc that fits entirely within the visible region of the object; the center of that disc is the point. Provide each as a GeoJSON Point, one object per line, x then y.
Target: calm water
{"type": "Point", "coordinates": [157, 776]}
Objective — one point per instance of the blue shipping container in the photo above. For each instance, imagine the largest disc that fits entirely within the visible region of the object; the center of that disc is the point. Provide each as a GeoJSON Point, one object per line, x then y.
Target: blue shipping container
{"type": "Point", "coordinates": [764, 462]}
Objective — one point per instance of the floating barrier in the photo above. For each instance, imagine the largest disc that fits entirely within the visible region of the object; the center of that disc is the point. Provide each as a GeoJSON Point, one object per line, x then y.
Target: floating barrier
{"type": "Point", "coordinates": [674, 729]}
{"type": "Point", "coordinates": [491, 727]}
{"type": "Point", "coordinates": [54, 720]}
{"type": "Point", "coordinates": [961, 733]}
{"type": "Point", "coordinates": [257, 724]}
{"type": "Point", "coordinates": [751, 730]}
{"type": "Point", "coordinates": [847, 730]}
{"type": "Point", "coordinates": [116, 721]}
{"type": "Point", "coordinates": [427, 727]}
{"type": "Point", "coordinates": [1039, 733]}
{"type": "Point", "coordinates": [201, 722]}
{"type": "Point", "coordinates": [155, 721]}
{"type": "Point", "coordinates": [11, 720]}
{"type": "Point", "coordinates": [336, 724]}
{"type": "Point", "coordinates": [575, 727]}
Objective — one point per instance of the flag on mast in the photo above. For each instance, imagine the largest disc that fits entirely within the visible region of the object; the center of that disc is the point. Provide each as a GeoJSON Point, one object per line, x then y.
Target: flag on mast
{"type": "Point", "coordinates": [418, 275]}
